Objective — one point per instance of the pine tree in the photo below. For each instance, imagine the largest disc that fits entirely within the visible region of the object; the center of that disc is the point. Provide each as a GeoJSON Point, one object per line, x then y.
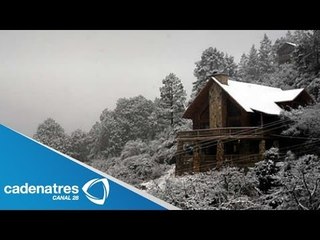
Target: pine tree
{"type": "Point", "coordinates": [93, 140]}
{"type": "Point", "coordinates": [156, 122]}
{"type": "Point", "coordinates": [111, 137]}
{"type": "Point", "coordinates": [266, 56]}
{"type": "Point", "coordinates": [230, 66]}
{"type": "Point", "coordinates": [252, 73]}
{"type": "Point", "coordinates": [172, 101]}
{"type": "Point", "coordinates": [243, 66]}
{"type": "Point", "coordinates": [130, 120]}
{"type": "Point", "coordinates": [79, 145]}
{"type": "Point", "coordinates": [53, 135]}
{"type": "Point", "coordinates": [132, 115]}
{"type": "Point", "coordinates": [212, 61]}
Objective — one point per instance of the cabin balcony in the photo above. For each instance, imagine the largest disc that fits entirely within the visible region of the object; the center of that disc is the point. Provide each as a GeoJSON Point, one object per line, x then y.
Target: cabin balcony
{"type": "Point", "coordinates": [208, 162]}
{"type": "Point", "coordinates": [203, 149]}
{"type": "Point", "coordinates": [223, 133]}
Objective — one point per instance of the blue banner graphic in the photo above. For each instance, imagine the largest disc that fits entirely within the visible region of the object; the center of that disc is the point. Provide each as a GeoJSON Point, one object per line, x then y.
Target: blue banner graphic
{"type": "Point", "coordinates": [36, 177]}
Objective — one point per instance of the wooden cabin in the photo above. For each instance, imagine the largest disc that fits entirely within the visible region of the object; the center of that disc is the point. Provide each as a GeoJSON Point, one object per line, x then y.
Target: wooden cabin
{"type": "Point", "coordinates": [233, 123]}
{"type": "Point", "coordinates": [285, 51]}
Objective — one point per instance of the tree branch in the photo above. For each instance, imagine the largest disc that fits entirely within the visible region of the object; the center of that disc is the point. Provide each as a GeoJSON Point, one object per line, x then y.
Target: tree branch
{"type": "Point", "coordinates": [259, 192]}
{"type": "Point", "coordinates": [315, 187]}
{"type": "Point", "coordinates": [296, 199]}
{"type": "Point", "coordinates": [306, 186]}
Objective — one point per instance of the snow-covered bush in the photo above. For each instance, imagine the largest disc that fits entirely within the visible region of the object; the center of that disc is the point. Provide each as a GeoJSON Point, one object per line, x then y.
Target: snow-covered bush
{"type": "Point", "coordinates": [133, 148]}
{"type": "Point", "coordinates": [301, 180]}
{"type": "Point", "coordinates": [229, 188]}
{"type": "Point", "coordinates": [266, 170]}
{"type": "Point", "coordinates": [136, 169]}
{"type": "Point", "coordinates": [53, 135]}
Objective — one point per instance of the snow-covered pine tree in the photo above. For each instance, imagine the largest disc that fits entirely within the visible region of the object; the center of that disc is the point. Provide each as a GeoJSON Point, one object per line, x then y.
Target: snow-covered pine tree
{"type": "Point", "coordinates": [252, 74]}
{"type": "Point", "coordinates": [172, 100]}
{"type": "Point", "coordinates": [231, 67]}
{"type": "Point", "coordinates": [53, 135]}
{"type": "Point", "coordinates": [132, 116]}
{"type": "Point", "coordinates": [243, 66]}
{"type": "Point", "coordinates": [155, 119]}
{"type": "Point", "coordinates": [130, 120]}
{"type": "Point", "coordinates": [212, 60]}
{"type": "Point", "coordinates": [79, 145]}
{"type": "Point", "coordinates": [110, 137]}
{"type": "Point", "coordinates": [93, 140]}
{"type": "Point", "coordinates": [266, 56]}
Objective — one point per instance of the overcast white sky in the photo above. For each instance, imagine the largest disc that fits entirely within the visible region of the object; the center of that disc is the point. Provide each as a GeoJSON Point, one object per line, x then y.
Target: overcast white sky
{"type": "Point", "coordinates": [72, 76]}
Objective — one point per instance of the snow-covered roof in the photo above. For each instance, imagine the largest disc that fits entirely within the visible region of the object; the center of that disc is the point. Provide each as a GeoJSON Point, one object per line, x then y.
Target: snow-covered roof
{"type": "Point", "coordinates": [285, 45]}
{"type": "Point", "coordinates": [254, 97]}
{"type": "Point", "coordinates": [290, 43]}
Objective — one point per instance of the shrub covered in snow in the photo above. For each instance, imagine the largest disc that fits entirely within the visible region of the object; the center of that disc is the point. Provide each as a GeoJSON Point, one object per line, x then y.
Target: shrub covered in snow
{"type": "Point", "coordinates": [210, 190]}
{"type": "Point", "coordinates": [301, 180]}
{"type": "Point", "coordinates": [266, 170]}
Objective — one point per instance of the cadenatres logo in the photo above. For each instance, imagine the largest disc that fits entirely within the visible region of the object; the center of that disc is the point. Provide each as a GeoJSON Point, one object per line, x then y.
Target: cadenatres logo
{"type": "Point", "coordinates": [105, 189]}
{"type": "Point", "coordinates": [64, 192]}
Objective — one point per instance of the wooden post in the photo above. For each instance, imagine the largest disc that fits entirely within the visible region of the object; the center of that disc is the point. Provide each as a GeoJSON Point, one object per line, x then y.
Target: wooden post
{"type": "Point", "coordinates": [262, 144]}
{"type": "Point", "coordinates": [220, 153]}
{"type": "Point", "coordinates": [262, 148]}
{"type": "Point", "coordinates": [196, 158]}
{"type": "Point", "coordinates": [179, 158]}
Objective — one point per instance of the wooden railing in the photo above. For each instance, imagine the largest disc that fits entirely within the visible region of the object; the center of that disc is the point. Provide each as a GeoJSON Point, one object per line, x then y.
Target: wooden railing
{"type": "Point", "coordinates": [231, 158]}
{"type": "Point", "coordinates": [207, 162]}
{"type": "Point", "coordinates": [242, 158]}
{"type": "Point", "coordinates": [220, 132]}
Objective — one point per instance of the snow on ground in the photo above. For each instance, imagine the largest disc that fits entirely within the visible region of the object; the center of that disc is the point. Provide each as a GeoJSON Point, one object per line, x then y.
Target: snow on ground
{"type": "Point", "coordinates": [160, 182]}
